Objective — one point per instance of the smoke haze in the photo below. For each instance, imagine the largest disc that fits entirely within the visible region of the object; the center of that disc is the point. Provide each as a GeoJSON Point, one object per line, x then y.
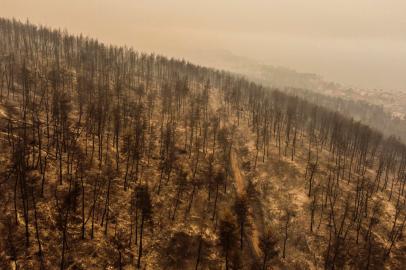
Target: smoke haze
{"type": "Point", "coordinates": [360, 43]}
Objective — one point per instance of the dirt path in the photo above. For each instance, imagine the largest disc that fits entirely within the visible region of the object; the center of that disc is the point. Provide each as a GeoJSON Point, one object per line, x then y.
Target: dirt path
{"type": "Point", "coordinates": [241, 190]}
{"type": "Point", "coordinates": [240, 181]}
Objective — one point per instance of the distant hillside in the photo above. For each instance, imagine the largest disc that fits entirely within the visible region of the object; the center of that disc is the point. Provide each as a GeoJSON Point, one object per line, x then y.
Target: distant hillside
{"type": "Point", "coordinates": [383, 110]}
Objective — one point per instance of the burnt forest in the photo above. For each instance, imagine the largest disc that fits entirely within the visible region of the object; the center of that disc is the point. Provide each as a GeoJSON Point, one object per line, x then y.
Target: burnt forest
{"type": "Point", "coordinates": [112, 158]}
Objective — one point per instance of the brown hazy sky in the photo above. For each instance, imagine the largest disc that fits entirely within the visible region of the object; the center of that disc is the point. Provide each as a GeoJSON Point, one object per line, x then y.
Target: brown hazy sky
{"type": "Point", "coordinates": [356, 42]}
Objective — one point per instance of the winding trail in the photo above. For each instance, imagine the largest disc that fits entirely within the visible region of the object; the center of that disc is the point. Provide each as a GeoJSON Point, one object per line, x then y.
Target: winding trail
{"type": "Point", "coordinates": [241, 190]}
{"type": "Point", "coordinates": [240, 182]}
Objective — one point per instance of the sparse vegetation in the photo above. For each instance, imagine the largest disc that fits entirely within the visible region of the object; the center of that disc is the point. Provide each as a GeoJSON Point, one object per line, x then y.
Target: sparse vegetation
{"type": "Point", "coordinates": [112, 158]}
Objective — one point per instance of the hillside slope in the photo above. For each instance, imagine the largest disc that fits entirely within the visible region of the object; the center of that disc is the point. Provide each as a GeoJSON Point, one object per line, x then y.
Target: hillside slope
{"type": "Point", "coordinates": [114, 159]}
